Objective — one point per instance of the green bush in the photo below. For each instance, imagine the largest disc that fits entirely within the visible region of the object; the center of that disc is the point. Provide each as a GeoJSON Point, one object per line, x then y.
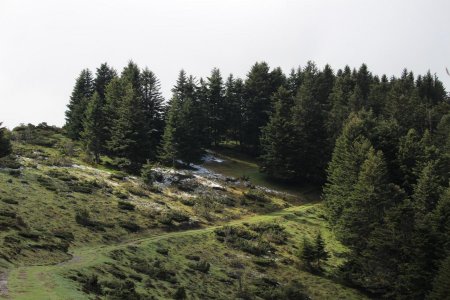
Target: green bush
{"type": "Point", "coordinates": [202, 266]}
{"type": "Point", "coordinates": [256, 195]}
{"type": "Point", "coordinates": [130, 226]}
{"type": "Point", "coordinates": [126, 205]}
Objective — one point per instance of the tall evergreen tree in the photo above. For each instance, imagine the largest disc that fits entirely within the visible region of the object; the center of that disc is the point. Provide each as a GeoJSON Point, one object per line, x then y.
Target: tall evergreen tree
{"type": "Point", "coordinates": [93, 133]}
{"type": "Point", "coordinates": [152, 113]}
{"type": "Point", "coordinates": [311, 137]}
{"type": "Point", "coordinates": [366, 204]}
{"type": "Point", "coordinates": [114, 95]}
{"type": "Point", "coordinates": [257, 104]}
{"type": "Point", "coordinates": [279, 157]}
{"type": "Point", "coordinates": [126, 130]}
{"type": "Point", "coordinates": [349, 154]}
{"type": "Point", "coordinates": [79, 99]}
{"type": "Point", "coordinates": [183, 136]}
{"type": "Point", "coordinates": [103, 77]}
{"type": "Point", "coordinates": [216, 106]}
{"type": "Point", "coordinates": [234, 89]}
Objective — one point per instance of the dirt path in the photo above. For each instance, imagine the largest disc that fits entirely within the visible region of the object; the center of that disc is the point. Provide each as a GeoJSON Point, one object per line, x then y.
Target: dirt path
{"type": "Point", "coordinates": [4, 285]}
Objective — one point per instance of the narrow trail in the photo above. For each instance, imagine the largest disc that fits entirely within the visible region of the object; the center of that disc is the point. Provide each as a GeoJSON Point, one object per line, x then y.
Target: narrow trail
{"type": "Point", "coordinates": [48, 282]}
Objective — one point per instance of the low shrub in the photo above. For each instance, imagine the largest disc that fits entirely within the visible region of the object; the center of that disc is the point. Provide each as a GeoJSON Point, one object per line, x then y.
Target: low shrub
{"type": "Point", "coordinates": [202, 266]}
{"type": "Point", "coordinates": [10, 201]}
{"type": "Point", "coordinates": [130, 226]}
{"type": "Point", "coordinates": [126, 205]}
{"type": "Point", "coordinates": [256, 195]}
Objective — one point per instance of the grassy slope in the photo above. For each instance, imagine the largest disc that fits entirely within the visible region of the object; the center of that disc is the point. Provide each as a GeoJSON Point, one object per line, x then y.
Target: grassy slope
{"type": "Point", "coordinates": [49, 282]}
{"type": "Point", "coordinates": [39, 268]}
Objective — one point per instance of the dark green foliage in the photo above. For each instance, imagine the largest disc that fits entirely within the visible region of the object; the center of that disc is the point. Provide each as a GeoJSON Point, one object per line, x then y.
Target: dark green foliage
{"type": "Point", "coordinates": [126, 205]}
{"type": "Point", "coordinates": [201, 266]}
{"type": "Point", "coordinates": [314, 253]}
{"type": "Point", "coordinates": [215, 107]}
{"type": "Point", "coordinates": [94, 123]}
{"type": "Point", "coordinates": [321, 254]}
{"type": "Point", "coordinates": [308, 253]}
{"type": "Point", "coordinates": [152, 113]}
{"type": "Point", "coordinates": [91, 285]}
{"type": "Point", "coordinates": [279, 157]}
{"type": "Point", "coordinates": [259, 87]}
{"type": "Point", "coordinates": [183, 135]}
{"type": "Point", "coordinates": [5, 144]}
{"type": "Point", "coordinates": [180, 294]}
{"type": "Point", "coordinates": [82, 92]}
{"type": "Point", "coordinates": [441, 284]}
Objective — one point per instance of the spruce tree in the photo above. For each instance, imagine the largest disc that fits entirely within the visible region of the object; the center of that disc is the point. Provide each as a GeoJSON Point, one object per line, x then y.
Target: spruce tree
{"type": "Point", "coordinates": [234, 92]}
{"type": "Point", "coordinates": [152, 113]}
{"type": "Point", "coordinates": [79, 99]}
{"type": "Point", "coordinates": [93, 133]}
{"type": "Point", "coordinates": [127, 129]}
{"type": "Point", "coordinates": [348, 155]}
{"type": "Point", "coordinates": [308, 253]}
{"type": "Point", "coordinates": [366, 203]}
{"type": "Point", "coordinates": [183, 135]}
{"type": "Point", "coordinates": [311, 137]}
{"type": "Point", "coordinates": [216, 106]}
{"type": "Point", "coordinates": [257, 105]}
{"type": "Point", "coordinates": [279, 157]}
{"type": "Point", "coordinates": [170, 139]}
{"type": "Point", "coordinates": [114, 95]}
{"type": "Point", "coordinates": [103, 77]}
{"type": "Point", "coordinates": [321, 254]}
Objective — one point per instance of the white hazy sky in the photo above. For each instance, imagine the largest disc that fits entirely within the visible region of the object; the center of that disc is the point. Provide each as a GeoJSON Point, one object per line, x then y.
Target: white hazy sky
{"type": "Point", "coordinates": [44, 44]}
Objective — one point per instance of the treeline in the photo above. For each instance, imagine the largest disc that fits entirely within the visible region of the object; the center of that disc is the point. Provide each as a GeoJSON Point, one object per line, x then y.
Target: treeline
{"type": "Point", "coordinates": [125, 115]}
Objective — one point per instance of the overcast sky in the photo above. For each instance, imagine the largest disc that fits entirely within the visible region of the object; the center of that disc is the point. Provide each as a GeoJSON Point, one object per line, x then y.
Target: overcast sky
{"type": "Point", "coordinates": [45, 44]}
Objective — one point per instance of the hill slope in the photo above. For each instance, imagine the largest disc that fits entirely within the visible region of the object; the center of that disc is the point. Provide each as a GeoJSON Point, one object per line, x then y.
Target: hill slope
{"type": "Point", "coordinates": [70, 230]}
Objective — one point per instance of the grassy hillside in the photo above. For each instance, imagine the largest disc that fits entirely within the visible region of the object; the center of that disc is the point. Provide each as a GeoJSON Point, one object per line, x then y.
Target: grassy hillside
{"type": "Point", "coordinates": [72, 230]}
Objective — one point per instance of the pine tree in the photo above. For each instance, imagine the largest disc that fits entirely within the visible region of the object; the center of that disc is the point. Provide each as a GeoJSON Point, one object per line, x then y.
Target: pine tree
{"type": "Point", "coordinates": [428, 189]}
{"type": "Point", "coordinates": [348, 155]}
{"type": "Point", "coordinates": [126, 131]}
{"type": "Point", "coordinates": [5, 144]}
{"type": "Point", "coordinates": [76, 108]}
{"type": "Point", "coordinates": [169, 143]}
{"type": "Point", "coordinates": [339, 105]}
{"type": "Point", "coordinates": [366, 204]}
{"type": "Point", "coordinates": [183, 135]}
{"type": "Point", "coordinates": [311, 137]}
{"type": "Point", "coordinates": [233, 99]}
{"type": "Point", "coordinates": [320, 252]}
{"type": "Point", "coordinates": [103, 77]}
{"type": "Point", "coordinates": [152, 113]}
{"type": "Point", "coordinates": [257, 105]}
{"type": "Point", "coordinates": [409, 150]}
{"type": "Point", "coordinates": [114, 95]}
{"type": "Point", "coordinates": [93, 133]}
{"type": "Point", "coordinates": [216, 106]}
{"type": "Point", "coordinates": [308, 253]}
{"type": "Point", "coordinates": [278, 157]}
